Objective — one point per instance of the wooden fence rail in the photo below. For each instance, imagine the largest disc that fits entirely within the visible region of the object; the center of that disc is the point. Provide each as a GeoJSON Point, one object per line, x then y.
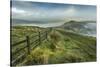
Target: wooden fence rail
{"type": "Point", "coordinates": [41, 36]}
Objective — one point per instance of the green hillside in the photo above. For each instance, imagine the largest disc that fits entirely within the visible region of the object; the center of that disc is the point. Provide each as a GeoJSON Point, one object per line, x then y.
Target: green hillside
{"type": "Point", "coordinates": [82, 27]}
{"type": "Point", "coordinates": [64, 47]}
{"type": "Point", "coordinates": [61, 46]}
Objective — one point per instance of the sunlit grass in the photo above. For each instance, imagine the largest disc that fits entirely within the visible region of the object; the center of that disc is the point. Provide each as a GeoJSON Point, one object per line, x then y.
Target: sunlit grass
{"type": "Point", "coordinates": [62, 47]}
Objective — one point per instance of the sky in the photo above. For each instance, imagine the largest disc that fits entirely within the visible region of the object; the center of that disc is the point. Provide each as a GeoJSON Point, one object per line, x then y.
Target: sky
{"type": "Point", "coordinates": [50, 14]}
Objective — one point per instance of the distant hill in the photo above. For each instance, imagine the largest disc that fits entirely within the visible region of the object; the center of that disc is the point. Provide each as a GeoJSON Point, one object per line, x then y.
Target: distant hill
{"type": "Point", "coordinates": [21, 22]}
{"type": "Point", "coordinates": [84, 27]}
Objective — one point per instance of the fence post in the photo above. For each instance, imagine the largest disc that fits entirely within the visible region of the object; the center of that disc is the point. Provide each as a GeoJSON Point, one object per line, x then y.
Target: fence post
{"type": "Point", "coordinates": [39, 38]}
{"type": "Point", "coordinates": [28, 44]}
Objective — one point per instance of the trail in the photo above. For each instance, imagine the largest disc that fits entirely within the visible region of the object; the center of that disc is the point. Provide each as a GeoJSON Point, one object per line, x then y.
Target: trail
{"type": "Point", "coordinates": [64, 47]}
{"type": "Point", "coordinates": [81, 42]}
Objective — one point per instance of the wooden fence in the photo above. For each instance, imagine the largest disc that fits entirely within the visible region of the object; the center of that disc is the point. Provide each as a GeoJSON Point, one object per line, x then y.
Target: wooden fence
{"type": "Point", "coordinates": [25, 46]}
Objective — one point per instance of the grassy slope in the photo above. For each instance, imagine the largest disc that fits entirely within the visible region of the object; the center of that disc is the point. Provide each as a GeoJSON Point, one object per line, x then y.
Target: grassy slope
{"type": "Point", "coordinates": [64, 47]}
{"type": "Point", "coordinates": [19, 33]}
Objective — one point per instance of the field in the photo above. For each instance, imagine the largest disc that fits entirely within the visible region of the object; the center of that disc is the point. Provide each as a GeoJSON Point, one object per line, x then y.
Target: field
{"type": "Point", "coordinates": [59, 46]}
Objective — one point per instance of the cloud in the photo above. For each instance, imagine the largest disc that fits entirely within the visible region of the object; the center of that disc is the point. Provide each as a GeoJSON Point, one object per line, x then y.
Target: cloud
{"type": "Point", "coordinates": [34, 11]}
{"type": "Point", "coordinates": [18, 11]}
{"type": "Point", "coordinates": [71, 11]}
{"type": "Point", "coordinates": [50, 13]}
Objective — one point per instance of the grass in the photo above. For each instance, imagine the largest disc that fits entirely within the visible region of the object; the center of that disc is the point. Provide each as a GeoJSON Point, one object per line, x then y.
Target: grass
{"type": "Point", "coordinates": [61, 47]}
{"type": "Point", "coordinates": [20, 32]}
